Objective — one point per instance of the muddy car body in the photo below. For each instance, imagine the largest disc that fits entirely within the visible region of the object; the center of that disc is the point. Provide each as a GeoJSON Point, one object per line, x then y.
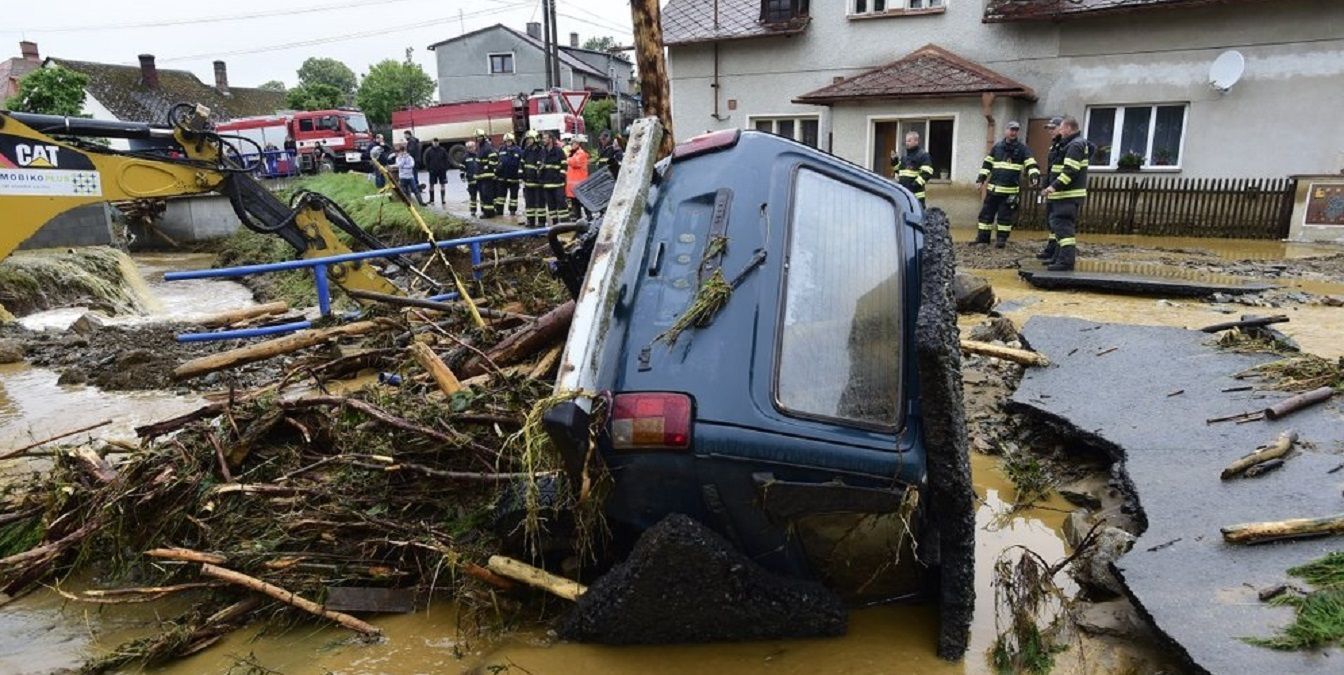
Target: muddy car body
{"type": "Point", "coordinates": [798, 398]}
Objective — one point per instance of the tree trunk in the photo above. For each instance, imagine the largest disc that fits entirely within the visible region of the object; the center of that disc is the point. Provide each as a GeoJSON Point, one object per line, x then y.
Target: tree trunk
{"type": "Point", "coordinates": [526, 341]}
{"type": "Point", "coordinates": [261, 351]}
{"type": "Point", "coordinates": [431, 362]}
{"type": "Point", "coordinates": [535, 576]}
{"type": "Point", "coordinates": [1299, 402]}
{"type": "Point", "coordinates": [1264, 453]}
{"type": "Point", "coordinates": [653, 87]}
{"type": "Point", "coordinates": [1020, 356]}
{"type": "Point", "coordinates": [234, 316]}
{"type": "Point", "coordinates": [1297, 528]}
{"type": "Point", "coordinates": [289, 598]}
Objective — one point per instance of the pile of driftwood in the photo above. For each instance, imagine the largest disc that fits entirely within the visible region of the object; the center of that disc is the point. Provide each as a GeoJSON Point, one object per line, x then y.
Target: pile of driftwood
{"type": "Point", "coordinates": [367, 478]}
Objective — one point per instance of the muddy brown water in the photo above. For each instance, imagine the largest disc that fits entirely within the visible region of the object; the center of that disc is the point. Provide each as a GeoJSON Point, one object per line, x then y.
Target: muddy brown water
{"type": "Point", "coordinates": [43, 633]}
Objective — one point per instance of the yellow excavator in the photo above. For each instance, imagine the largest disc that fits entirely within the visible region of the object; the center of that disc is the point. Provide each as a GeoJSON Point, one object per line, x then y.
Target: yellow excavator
{"type": "Point", "coordinates": [42, 177]}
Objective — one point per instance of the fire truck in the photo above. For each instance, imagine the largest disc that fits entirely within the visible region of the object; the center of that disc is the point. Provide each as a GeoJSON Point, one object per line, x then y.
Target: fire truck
{"type": "Point", "coordinates": [456, 123]}
{"type": "Point", "coordinates": [327, 140]}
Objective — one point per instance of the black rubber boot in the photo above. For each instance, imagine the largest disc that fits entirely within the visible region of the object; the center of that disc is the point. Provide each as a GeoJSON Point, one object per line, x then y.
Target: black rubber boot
{"type": "Point", "coordinates": [1001, 241]}
{"type": "Point", "coordinates": [1048, 253]}
{"type": "Point", "coordinates": [1065, 260]}
{"type": "Point", "coordinates": [981, 237]}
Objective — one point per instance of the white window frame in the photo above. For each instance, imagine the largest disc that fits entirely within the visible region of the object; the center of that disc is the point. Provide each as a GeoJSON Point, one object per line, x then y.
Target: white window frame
{"type": "Point", "coordinates": [797, 120]}
{"type": "Point", "coordinates": [490, 66]}
{"type": "Point", "coordinates": [873, 120]}
{"type": "Point", "coordinates": [1118, 132]}
{"type": "Point", "coordinates": [892, 7]}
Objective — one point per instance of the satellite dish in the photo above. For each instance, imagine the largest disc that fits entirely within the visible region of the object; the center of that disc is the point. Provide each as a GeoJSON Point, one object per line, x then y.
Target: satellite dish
{"type": "Point", "coordinates": [1226, 70]}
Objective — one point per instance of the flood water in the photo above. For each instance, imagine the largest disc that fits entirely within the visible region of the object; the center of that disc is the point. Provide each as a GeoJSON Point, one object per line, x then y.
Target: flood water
{"type": "Point", "coordinates": [42, 633]}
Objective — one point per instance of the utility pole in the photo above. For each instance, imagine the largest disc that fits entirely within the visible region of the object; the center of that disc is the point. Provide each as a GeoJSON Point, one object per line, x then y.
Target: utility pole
{"type": "Point", "coordinates": [546, 39]}
{"type": "Point", "coordinates": [555, 45]}
{"type": "Point", "coordinates": [653, 87]}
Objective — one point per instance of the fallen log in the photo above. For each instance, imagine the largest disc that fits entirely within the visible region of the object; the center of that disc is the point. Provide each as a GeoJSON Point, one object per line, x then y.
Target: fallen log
{"type": "Point", "coordinates": [186, 555]}
{"type": "Point", "coordinates": [535, 576]}
{"type": "Point", "coordinates": [402, 301]}
{"type": "Point", "coordinates": [1246, 322]}
{"type": "Point", "coordinates": [1297, 528]}
{"type": "Point", "coordinates": [1019, 356]}
{"type": "Point", "coordinates": [525, 341]}
{"type": "Point", "coordinates": [546, 363]}
{"type": "Point", "coordinates": [1296, 403]}
{"type": "Point", "coordinates": [236, 315]}
{"type": "Point", "coordinates": [289, 598]}
{"type": "Point", "coordinates": [19, 451]}
{"type": "Point", "coordinates": [443, 376]}
{"type": "Point", "coordinates": [261, 351]}
{"type": "Point", "coordinates": [101, 470]}
{"type": "Point", "coordinates": [1264, 453]}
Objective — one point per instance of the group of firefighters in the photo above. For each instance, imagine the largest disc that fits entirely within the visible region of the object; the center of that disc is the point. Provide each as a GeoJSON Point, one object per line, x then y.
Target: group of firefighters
{"type": "Point", "coordinates": [1000, 181]}
{"type": "Point", "coordinates": [538, 176]}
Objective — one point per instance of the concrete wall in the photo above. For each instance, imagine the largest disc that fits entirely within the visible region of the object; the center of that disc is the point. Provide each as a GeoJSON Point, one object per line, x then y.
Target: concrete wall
{"type": "Point", "coordinates": [89, 225]}
{"type": "Point", "coordinates": [464, 67]}
{"type": "Point", "coordinates": [1299, 229]}
{"type": "Point", "coordinates": [188, 220]}
{"type": "Point", "coordinates": [1294, 78]}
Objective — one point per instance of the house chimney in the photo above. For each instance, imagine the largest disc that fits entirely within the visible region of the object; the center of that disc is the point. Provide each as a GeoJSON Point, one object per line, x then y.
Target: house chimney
{"type": "Point", "coordinates": [221, 77]}
{"type": "Point", "coordinates": [574, 40]}
{"type": "Point", "coordinates": [29, 51]}
{"type": "Point", "coordinates": [534, 29]}
{"type": "Point", "coordinates": [149, 75]}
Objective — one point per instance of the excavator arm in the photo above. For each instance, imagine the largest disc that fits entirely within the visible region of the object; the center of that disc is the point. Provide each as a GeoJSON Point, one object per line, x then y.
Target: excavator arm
{"type": "Point", "coordinates": [42, 177]}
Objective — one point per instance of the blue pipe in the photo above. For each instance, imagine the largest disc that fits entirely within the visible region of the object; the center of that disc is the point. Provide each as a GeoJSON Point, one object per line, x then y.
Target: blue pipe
{"type": "Point", "coordinates": [444, 297]}
{"type": "Point", "coordinates": [244, 270]}
{"type": "Point", "coordinates": [323, 290]}
{"type": "Point", "coordinates": [244, 332]}
{"type": "Point", "coordinates": [476, 260]}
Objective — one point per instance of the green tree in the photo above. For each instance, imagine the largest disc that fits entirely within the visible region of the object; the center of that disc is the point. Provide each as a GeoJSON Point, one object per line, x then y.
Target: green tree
{"type": "Point", "coordinates": [273, 85]}
{"type": "Point", "coordinates": [315, 97]}
{"type": "Point", "coordinates": [597, 116]}
{"type": "Point", "coordinates": [393, 85]}
{"type": "Point", "coordinates": [600, 44]}
{"type": "Point", "coordinates": [50, 91]}
{"type": "Point", "coordinates": [330, 72]}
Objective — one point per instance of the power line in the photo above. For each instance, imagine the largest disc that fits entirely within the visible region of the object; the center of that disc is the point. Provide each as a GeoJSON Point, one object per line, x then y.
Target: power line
{"type": "Point", "coordinates": [599, 20]}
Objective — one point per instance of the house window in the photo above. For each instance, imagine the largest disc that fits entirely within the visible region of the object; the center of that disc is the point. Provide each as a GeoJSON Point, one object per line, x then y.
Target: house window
{"type": "Point", "coordinates": [935, 135]}
{"type": "Point", "coordinates": [803, 129]}
{"type": "Point", "coordinates": [871, 7]}
{"type": "Point", "coordinates": [1151, 134]}
{"type": "Point", "coordinates": [501, 64]}
{"type": "Point", "coordinates": [839, 342]}
{"type": "Point", "coordinates": [782, 11]}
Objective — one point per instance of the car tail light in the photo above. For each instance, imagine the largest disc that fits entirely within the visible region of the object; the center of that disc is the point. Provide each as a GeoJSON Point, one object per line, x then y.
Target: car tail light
{"type": "Point", "coordinates": [650, 421]}
{"type": "Point", "coordinates": [704, 143]}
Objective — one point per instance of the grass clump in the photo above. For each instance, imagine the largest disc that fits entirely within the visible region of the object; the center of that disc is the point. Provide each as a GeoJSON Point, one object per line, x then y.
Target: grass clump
{"type": "Point", "coordinates": [381, 214]}
{"type": "Point", "coordinates": [1026, 598]}
{"type": "Point", "coordinates": [1031, 476]}
{"type": "Point", "coordinates": [99, 276]}
{"type": "Point", "coordinates": [1320, 614]}
{"type": "Point", "coordinates": [1301, 373]}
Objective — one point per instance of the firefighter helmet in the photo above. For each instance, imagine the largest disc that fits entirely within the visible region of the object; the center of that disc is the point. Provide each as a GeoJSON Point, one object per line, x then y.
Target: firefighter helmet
{"type": "Point", "coordinates": [480, 133]}
{"type": "Point", "coordinates": [532, 133]}
{"type": "Point", "coordinates": [508, 137]}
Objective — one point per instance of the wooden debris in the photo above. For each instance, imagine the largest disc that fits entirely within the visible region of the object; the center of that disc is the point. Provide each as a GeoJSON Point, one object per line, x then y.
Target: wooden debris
{"type": "Point", "coordinates": [18, 452]}
{"type": "Point", "coordinates": [1296, 403]}
{"type": "Point", "coordinates": [1246, 322]}
{"type": "Point", "coordinates": [1264, 453]}
{"type": "Point", "coordinates": [535, 576]}
{"type": "Point", "coordinates": [1250, 416]}
{"type": "Point", "coordinates": [370, 599]}
{"type": "Point", "coordinates": [1263, 468]}
{"type": "Point", "coordinates": [261, 351]}
{"type": "Point", "coordinates": [443, 376]}
{"type": "Point", "coordinates": [1107, 350]}
{"type": "Point", "coordinates": [1178, 392]}
{"type": "Point", "coordinates": [95, 466]}
{"type": "Point", "coordinates": [234, 316]}
{"type": "Point", "coordinates": [525, 341]}
{"type": "Point", "coordinates": [1019, 356]}
{"type": "Point", "coordinates": [289, 598]}
{"type": "Point", "coordinates": [546, 363]}
{"type": "Point", "coordinates": [374, 412]}
{"type": "Point", "coordinates": [1297, 528]}
{"type": "Point", "coordinates": [186, 555]}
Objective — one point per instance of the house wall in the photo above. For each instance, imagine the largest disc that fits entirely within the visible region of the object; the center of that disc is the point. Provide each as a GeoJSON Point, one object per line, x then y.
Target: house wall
{"type": "Point", "coordinates": [620, 71]}
{"type": "Point", "coordinates": [1294, 78]}
{"type": "Point", "coordinates": [464, 67]}
{"type": "Point", "coordinates": [98, 111]}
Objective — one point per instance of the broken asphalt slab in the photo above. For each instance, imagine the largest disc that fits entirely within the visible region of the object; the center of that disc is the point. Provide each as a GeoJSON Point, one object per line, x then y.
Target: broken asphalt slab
{"type": "Point", "coordinates": [1136, 284]}
{"type": "Point", "coordinates": [1198, 590]}
{"type": "Point", "coordinates": [685, 583]}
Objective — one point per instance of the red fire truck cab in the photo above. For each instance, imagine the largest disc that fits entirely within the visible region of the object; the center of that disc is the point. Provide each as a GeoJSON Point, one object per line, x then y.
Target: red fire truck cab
{"type": "Point", "coordinates": [327, 140]}
{"type": "Point", "coordinates": [456, 123]}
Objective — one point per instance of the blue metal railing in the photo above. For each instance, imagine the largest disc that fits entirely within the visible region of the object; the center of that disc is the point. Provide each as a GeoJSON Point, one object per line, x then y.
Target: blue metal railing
{"type": "Point", "coordinates": [321, 284]}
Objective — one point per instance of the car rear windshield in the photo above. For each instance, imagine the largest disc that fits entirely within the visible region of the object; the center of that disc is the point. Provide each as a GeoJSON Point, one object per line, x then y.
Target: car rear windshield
{"type": "Point", "coordinates": [840, 337]}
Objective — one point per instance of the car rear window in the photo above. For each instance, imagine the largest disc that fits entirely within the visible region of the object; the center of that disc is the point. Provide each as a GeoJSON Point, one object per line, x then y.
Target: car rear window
{"type": "Point", "coordinates": [840, 337]}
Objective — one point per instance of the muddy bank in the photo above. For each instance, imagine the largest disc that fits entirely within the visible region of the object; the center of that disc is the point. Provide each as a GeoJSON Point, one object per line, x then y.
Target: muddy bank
{"type": "Point", "coordinates": [100, 277]}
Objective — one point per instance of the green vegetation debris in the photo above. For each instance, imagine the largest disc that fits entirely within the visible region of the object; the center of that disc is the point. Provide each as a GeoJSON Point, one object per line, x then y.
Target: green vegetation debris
{"type": "Point", "coordinates": [1026, 598]}
{"type": "Point", "coordinates": [380, 214]}
{"type": "Point", "coordinates": [1320, 613]}
{"type": "Point", "coordinates": [102, 277]}
{"type": "Point", "coordinates": [1032, 477]}
{"type": "Point", "coordinates": [1300, 373]}
{"type": "Point", "coordinates": [710, 297]}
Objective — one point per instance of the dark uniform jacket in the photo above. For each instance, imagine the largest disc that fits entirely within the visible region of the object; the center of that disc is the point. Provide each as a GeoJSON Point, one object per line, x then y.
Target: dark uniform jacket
{"type": "Point", "coordinates": [471, 167]}
{"type": "Point", "coordinates": [489, 159]}
{"type": "Point", "coordinates": [413, 149]}
{"type": "Point", "coordinates": [913, 170]}
{"type": "Point", "coordinates": [1055, 157]}
{"type": "Point", "coordinates": [1072, 180]}
{"type": "Point", "coordinates": [610, 158]}
{"type": "Point", "coordinates": [1003, 167]}
{"type": "Point", "coordinates": [533, 157]}
{"type": "Point", "coordinates": [510, 162]}
{"type": "Point", "coordinates": [553, 167]}
{"type": "Point", "coordinates": [436, 159]}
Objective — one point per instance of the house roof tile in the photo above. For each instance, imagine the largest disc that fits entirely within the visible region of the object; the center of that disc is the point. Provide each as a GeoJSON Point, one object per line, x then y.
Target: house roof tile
{"type": "Point", "coordinates": [118, 88]}
{"type": "Point", "coordinates": [1050, 10]}
{"type": "Point", "coordinates": [928, 72]}
{"type": "Point", "coordinates": [691, 21]}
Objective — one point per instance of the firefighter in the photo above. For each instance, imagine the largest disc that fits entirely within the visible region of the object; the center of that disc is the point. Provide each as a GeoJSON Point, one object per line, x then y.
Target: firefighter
{"type": "Point", "coordinates": [553, 177]}
{"type": "Point", "coordinates": [915, 168]}
{"type": "Point", "coordinates": [1054, 165]}
{"type": "Point", "coordinates": [1067, 193]}
{"type": "Point", "coordinates": [533, 157]}
{"type": "Point", "coordinates": [507, 176]}
{"type": "Point", "coordinates": [485, 180]}
{"type": "Point", "coordinates": [437, 162]}
{"type": "Point", "coordinates": [1001, 184]}
{"type": "Point", "coordinates": [609, 154]}
{"type": "Point", "coordinates": [471, 171]}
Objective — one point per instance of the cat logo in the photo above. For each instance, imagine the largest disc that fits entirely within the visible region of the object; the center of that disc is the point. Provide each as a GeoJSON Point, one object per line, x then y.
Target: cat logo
{"type": "Point", "coordinates": [37, 156]}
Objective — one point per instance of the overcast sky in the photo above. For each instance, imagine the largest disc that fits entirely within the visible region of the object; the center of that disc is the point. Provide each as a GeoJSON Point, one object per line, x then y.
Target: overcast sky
{"type": "Point", "coordinates": [268, 39]}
